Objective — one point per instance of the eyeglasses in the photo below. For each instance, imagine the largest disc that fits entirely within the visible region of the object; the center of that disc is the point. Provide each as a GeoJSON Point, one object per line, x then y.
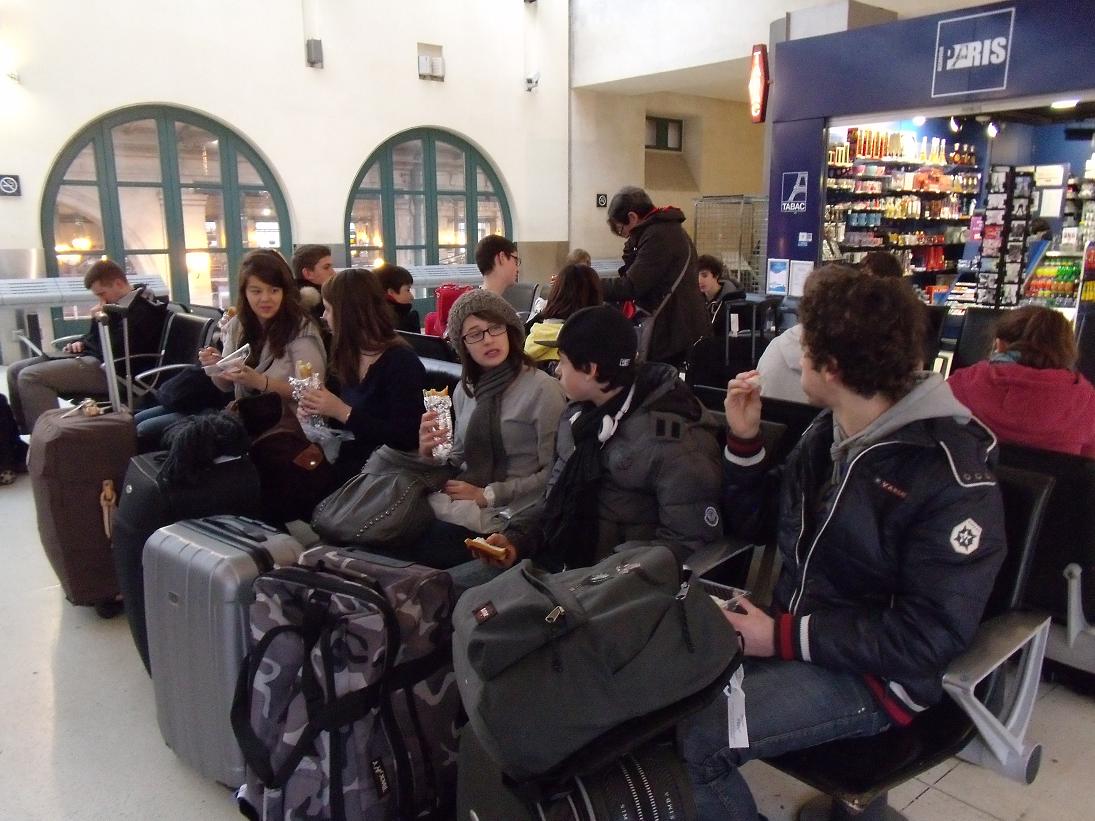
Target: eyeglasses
{"type": "Point", "coordinates": [515, 258]}
{"type": "Point", "coordinates": [476, 337]}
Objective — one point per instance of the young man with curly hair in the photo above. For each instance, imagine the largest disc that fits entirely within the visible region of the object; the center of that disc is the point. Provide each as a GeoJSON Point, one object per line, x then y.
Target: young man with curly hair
{"type": "Point", "coordinates": [890, 525]}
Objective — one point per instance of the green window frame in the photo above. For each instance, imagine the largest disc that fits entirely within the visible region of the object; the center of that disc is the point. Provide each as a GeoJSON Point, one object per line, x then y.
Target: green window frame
{"type": "Point", "coordinates": [233, 152]}
{"type": "Point", "coordinates": [662, 132]}
{"type": "Point", "coordinates": [376, 185]}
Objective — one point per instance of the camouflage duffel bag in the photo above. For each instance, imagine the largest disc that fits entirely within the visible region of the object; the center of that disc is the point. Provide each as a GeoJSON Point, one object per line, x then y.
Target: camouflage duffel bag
{"type": "Point", "coordinates": [347, 708]}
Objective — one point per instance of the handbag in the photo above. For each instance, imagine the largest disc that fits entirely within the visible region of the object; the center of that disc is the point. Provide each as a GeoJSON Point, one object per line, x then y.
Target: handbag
{"type": "Point", "coordinates": [644, 326]}
{"type": "Point", "coordinates": [384, 504]}
{"type": "Point", "coordinates": [293, 472]}
{"type": "Point", "coordinates": [547, 663]}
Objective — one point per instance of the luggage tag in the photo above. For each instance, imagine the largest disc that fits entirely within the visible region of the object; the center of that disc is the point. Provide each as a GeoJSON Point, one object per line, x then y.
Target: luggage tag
{"type": "Point", "coordinates": [738, 728]}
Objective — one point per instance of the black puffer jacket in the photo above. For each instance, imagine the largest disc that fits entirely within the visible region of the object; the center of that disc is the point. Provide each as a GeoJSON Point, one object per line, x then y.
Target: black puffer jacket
{"type": "Point", "coordinates": [890, 544]}
{"type": "Point", "coordinates": [654, 254]}
{"type": "Point", "coordinates": [145, 316]}
{"type": "Point", "coordinates": [661, 479]}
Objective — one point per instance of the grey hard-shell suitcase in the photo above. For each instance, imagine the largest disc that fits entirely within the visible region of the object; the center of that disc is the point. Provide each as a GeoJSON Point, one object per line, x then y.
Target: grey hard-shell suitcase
{"type": "Point", "coordinates": [197, 577]}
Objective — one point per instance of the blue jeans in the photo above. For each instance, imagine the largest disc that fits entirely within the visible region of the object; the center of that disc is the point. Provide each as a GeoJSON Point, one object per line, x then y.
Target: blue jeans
{"type": "Point", "coordinates": [789, 705]}
{"type": "Point", "coordinates": [152, 423]}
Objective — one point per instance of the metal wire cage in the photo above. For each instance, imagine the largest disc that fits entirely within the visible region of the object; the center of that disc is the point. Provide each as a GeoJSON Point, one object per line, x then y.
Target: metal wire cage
{"type": "Point", "coordinates": [734, 228]}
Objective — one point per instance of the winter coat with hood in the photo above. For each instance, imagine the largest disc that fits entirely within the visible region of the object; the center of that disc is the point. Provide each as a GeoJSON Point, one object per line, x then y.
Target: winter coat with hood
{"type": "Point", "coordinates": [1047, 408]}
{"type": "Point", "coordinates": [654, 255]}
{"type": "Point", "coordinates": [891, 540]}
{"type": "Point", "coordinates": [730, 290]}
{"type": "Point", "coordinates": [662, 475]}
{"type": "Point", "coordinates": [781, 369]}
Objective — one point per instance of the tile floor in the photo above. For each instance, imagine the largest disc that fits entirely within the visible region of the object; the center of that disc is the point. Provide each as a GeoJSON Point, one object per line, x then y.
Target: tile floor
{"type": "Point", "coordinates": [78, 735]}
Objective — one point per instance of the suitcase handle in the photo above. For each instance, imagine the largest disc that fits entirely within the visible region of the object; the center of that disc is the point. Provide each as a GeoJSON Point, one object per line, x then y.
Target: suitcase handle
{"type": "Point", "coordinates": [230, 526]}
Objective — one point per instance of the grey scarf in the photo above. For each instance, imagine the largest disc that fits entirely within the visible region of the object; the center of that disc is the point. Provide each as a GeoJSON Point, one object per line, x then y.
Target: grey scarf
{"type": "Point", "coordinates": [484, 453]}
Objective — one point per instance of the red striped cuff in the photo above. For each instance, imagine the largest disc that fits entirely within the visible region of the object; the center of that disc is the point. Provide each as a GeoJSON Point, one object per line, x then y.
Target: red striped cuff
{"type": "Point", "coordinates": [744, 448]}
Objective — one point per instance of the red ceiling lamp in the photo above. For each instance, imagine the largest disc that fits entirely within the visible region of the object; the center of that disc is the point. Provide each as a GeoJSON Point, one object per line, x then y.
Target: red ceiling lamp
{"type": "Point", "coordinates": [758, 83]}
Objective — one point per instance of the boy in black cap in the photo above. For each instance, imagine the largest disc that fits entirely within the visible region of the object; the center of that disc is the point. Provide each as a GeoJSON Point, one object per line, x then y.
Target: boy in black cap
{"type": "Point", "coordinates": [634, 459]}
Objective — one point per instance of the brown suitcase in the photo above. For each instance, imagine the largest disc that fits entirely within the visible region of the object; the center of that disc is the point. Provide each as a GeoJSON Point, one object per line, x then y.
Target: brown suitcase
{"type": "Point", "coordinates": [72, 458]}
{"type": "Point", "coordinates": [77, 466]}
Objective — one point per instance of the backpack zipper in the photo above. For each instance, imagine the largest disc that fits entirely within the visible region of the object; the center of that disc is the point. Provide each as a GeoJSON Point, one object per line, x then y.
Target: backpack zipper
{"type": "Point", "coordinates": [552, 619]}
{"type": "Point", "coordinates": [646, 786]}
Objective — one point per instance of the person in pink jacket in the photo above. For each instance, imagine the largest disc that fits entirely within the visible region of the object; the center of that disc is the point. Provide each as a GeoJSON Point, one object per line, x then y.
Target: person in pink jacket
{"type": "Point", "coordinates": [1028, 391]}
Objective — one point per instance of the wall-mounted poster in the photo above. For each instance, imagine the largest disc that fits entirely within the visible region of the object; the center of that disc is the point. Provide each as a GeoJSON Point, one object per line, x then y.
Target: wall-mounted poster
{"type": "Point", "coordinates": [800, 269]}
{"type": "Point", "coordinates": [777, 276]}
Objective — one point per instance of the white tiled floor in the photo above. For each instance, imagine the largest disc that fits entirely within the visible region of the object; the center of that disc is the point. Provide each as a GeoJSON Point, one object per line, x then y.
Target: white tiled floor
{"type": "Point", "coordinates": [78, 735]}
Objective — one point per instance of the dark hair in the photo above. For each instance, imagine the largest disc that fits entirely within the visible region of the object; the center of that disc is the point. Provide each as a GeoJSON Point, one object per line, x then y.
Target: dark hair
{"type": "Point", "coordinates": [270, 267]}
{"type": "Point", "coordinates": [1041, 336]}
{"type": "Point", "coordinates": [576, 287]}
{"type": "Point", "coordinates": [706, 262]}
{"type": "Point", "coordinates": [840, 329]}
{"type": "Point", "coordinates": [362, 321]}
{"type": "Point", "coordinates": [104, 271]}
{"type": "Point", "coordinates": [306, 256]}
{"type": "Point", "coordinates": [882, 264]}
{"type": "Point", "coordinates": [393, 277]}
{"type": "Point", "coordinates": [517, 357]}
{"type": "Point", "coordinates": [490, 247]}
{"type": "Point", "coordinates": [627, 199]}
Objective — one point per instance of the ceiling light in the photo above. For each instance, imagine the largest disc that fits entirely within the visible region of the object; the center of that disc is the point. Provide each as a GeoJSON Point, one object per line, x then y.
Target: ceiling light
{"type": "Point", "coordinates": [992, 129]}
{"type": "Point", "coordinates": [954, 126]}
{"type": "Point", "coordinates": [1064, 104]}
{"type": "Point", "coordinates": [919, 120]}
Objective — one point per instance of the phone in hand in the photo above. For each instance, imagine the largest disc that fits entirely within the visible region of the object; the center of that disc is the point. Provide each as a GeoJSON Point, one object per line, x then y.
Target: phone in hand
{"type": "Point", "coordinates": [480, 545]}
{"type": "Point", "coordinates": [725, 596]}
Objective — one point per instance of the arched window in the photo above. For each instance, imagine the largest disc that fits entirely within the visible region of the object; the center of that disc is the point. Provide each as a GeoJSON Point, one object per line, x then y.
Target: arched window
{"type": "Point", "coordinates": [163, 191]}
{"type": "Point", "coordinates": [415, 198]}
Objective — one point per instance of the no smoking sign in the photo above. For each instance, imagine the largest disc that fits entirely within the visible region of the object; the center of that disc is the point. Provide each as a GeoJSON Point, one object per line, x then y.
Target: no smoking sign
{"type": "Point", "coordinates": [9, 186]}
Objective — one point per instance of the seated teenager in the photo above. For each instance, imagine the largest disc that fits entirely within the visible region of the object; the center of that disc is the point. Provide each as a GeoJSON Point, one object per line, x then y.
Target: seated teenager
{"type": "Point", "coordinates": [716, 287]}
{"type": "Point", "coordinates": [636, 460]}
{"type": "Point", "coordinates": [378, 379]}
{"type": "Point", "coordinates": [503, 439]}
{"type": "Point", "coordinates": [273, 322]}
{"type": "Point", "coordinates": [396, 281]}
{"type": "Point", "coordinates": [890, 525]}
{"type": "Point", "coordinates": [1028, 392]}
{"type": "Point", "coordinates": [312, 266]}
{"type": "Point", "coordinates": [34, 384]}
{"type": "Point", "coordinates": [576, 287]}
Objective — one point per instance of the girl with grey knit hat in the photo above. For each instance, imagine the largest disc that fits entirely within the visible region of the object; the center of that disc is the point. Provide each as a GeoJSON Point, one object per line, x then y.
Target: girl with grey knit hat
{"type": "Point", "coordinates": [503, 438]}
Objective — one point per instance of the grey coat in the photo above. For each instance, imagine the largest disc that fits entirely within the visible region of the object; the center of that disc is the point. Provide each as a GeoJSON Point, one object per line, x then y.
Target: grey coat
{"type": "Point", "coordinates": [662, 476]}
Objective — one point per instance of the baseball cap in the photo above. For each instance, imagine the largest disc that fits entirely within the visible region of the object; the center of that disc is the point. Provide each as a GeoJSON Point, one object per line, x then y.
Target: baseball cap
{"type": "Point", "coordinates": [600, 334]}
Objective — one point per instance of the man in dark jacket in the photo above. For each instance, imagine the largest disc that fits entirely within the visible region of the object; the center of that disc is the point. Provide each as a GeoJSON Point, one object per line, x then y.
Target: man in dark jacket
{"type": "Point", "coordinates": [890, 525]}
{"type": "Point", "coordinates": [635, 458]}
{"type": "Point", "coordinates": [33, 384]}
{"type": "Point", "coordinates": [659, 262]}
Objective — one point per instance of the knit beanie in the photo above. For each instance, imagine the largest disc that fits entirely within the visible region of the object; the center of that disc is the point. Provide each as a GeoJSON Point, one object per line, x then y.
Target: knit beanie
{"type": "Point", "coordinates": [476, 302]}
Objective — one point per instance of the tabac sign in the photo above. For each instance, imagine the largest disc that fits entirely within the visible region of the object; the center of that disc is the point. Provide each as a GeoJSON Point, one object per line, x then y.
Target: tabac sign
{"type": "Point", "coordinates": [972, 53]}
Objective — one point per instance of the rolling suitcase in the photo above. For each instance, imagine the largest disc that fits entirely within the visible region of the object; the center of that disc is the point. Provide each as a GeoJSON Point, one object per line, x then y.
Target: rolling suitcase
{"type": "Point", "coordinates": [148, 502]}
{"type": "Point", "coordinates": [197, 578]}
{"type": "Point", "coordinates": [348, 707]}
{"type": "Point", "coordinates": [77, 463]}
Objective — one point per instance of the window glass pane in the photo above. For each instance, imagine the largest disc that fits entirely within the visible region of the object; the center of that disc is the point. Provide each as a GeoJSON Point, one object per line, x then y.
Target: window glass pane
{"type": "Point", "coordinates": [451, 221]}
{"type": "Point", "coordinates": [259, 220]}
{"type": "Point", "coordinates": [366, 257]}
{"type": "Point", "coordinates": [372, 177]}
{"type": "Point", "coordinates": [674, 135]}
{"type": "Point", "coordinates": [452, 256]}
{"type": "Point", "coordinates": [207, 278]}
{"type": "Point", "coordinates": [203, 218]}
{"type": "Point", "coordinates": [77, 220]}
{"type": "Point", "coordinates": [407, 169]}
{"type": "Point", "coordinates": [136, 151]}
{"type": "Point", "coordinates": [149, 265]}
{"type": "Point", "coordinates": [450, 167]}
{"type": "Point", "coordinates": [490, 218]}
{"type": "Point", "coordinates": [199, 154]}
{"type": "Point", "coordinates": [651, 132]}
{"type": "Point", "coordinates": [245, 172]}
{"type": "Point", "coordinates": [365, 226]}
{"type": "Point", "coordinates": [143, 223]}
{"type": "Point", "coordinates": [410, 219]}
{"type": "Point", "coordinates": [410, 256]}
{"type": "Point", "coordinates": [83, 167]}
{"type": "Point", "coordinates": [76, 265]}
{"type": "Point", "coordinates": [482, 181]}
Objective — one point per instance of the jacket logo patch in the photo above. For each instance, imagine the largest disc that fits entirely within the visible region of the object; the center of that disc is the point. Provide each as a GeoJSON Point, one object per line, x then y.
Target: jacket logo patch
{"type": "Point", "coordinates": [890, 487]}
{"type": "Point", "coordinates": [485, 612]}
{"type": "Point", "coordinates": [380, 778]}
{"type": "Point", "coordinates": [711, 517]}
{"type": "Point", "coordinates": [966, 537]}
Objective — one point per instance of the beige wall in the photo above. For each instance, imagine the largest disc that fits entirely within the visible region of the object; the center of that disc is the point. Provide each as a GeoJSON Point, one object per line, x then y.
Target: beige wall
{"type": "Point", "coordinates": [723, 152]}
